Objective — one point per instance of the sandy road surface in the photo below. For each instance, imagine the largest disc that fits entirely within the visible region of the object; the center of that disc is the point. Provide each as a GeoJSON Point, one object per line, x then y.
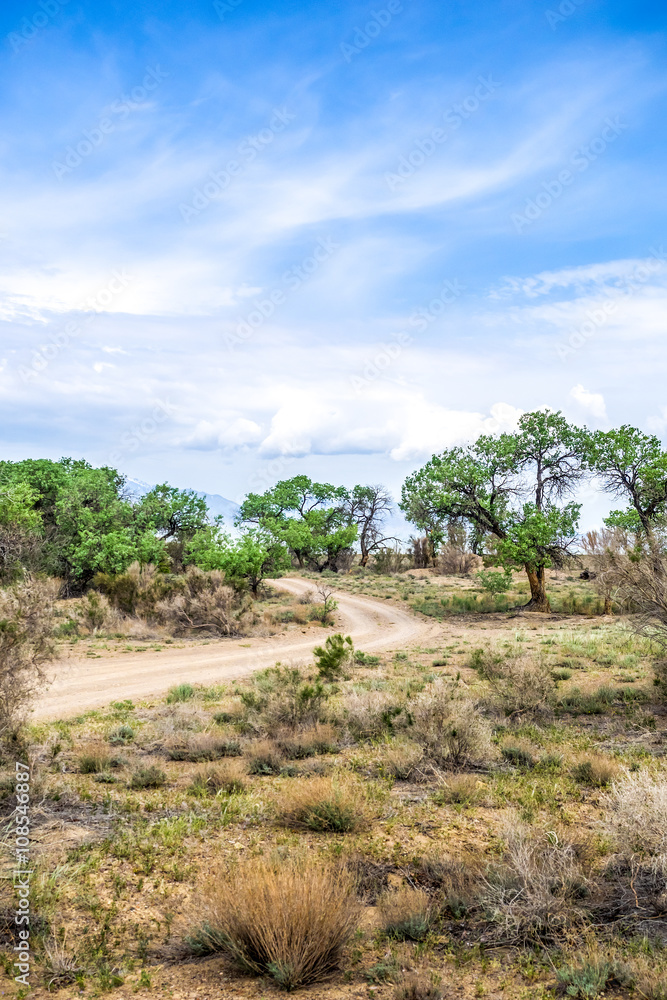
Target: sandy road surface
{"type": "Point", "coordinates": [83, 683]}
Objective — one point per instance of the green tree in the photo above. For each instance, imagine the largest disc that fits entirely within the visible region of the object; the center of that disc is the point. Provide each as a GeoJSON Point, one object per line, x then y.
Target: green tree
{"type": "Point", "coordinates": [249, 559]}
{"type": "Point", "coordinates": [172, 513]}
{"type": "Point", "coordinates": [308, 518]}
{"type": "Point", "coordinates": [632, 466]}
{"type": "Point", "coordinates": [512, 487]}
{"type": "Point", "coordinates": [20, 525]}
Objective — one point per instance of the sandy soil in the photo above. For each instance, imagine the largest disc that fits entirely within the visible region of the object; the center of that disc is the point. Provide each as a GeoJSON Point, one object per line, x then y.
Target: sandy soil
{"type": "Point", "coordinates": [84, 683]}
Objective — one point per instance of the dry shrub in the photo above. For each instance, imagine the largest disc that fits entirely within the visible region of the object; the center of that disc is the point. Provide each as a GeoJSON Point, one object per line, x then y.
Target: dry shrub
{"type": "Point", "coordinates": [325, 805]}
{"type": "Point", "coordinates": [290, 921]}
{"type": "Point", "coordinates": [405, 914]}
{"type": "Point", "coordinates": [454, 561]}
{"type": "Point", "coordinates": [636, 816]}
{"type": "Point", "coordinates": [451, 730]}
{"type": "Point", "coordinates": [205, 607]}
{"type": "Point", "coordinates": [265, 758]}
{"type": "Point", "coordinates": [417, 986]}
{"type": "Point", "coordinates": [26, 646]}
{"type": "Point", "coordinates": [180, 717]}
{"type": "Point", "coordinates": [203, 746]}
{"type": "Point", "coordinates": [318, 739]}
{"type": "Point", "coordinates": [227, 777]}
{"type": "Point", "coordinates": [401, 760]}
{"type": "Point", "coordinates": [533, 892]}
{"type": "Point", "coordinates": [522, 684]}
{"type": "Point", "coordinates": [598, 772]}
{"type": "Point", "coordinates": [370, 714]}
{"type": "Point", "coordinates": [458, 789]}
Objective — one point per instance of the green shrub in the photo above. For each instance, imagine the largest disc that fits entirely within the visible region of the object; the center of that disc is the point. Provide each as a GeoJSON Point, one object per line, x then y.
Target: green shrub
{"type": "Point", "coordinates": [148, 777]}
{"type": "Point", "coordinates": [494, 582]}
{"type": "Point", "coordinates": [587, 980]}
{"type": "Point", "coordinates": [561, 674]}
{"type": "Point", "coordinates": [93, 763]}
{"type": "Point", "coordinates": [283, 697]}
{"type": "Point", "coordinates": [121, 734]}
{"type": "Point", "coordinates": [518, 756]}
{"type": "Point", "coordinates": [182, 692]}
{"type": "Point", "coordinates": [334, 656]}
{"type": "Point", "coordinates": [365, 659]}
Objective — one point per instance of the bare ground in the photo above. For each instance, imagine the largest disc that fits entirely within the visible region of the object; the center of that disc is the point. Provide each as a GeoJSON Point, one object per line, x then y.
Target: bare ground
{"type": "Point", "coordinates": [81, 683]}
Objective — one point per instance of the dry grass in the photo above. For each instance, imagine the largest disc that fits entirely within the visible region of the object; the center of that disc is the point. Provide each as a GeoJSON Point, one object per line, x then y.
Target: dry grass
{"type": "Point", "coordinates": [370, 714]}
{"type": "Point", "coordinates": [458, 789]}
{"type": "Point", "coordinates": [532, 893]}
{"type": "Point", "coordinates": [451, 730]}
{"type": "Point", "coordinates": [203, 746]}
{"type": "Point", "coordinates": [402, 760]}
{"type": "Point", "coordinates": [289, 921]}
{"type": "Point", "coordinates": [405, 914]}
{"type": "Point", "coordinates": [636, 815]}
{"type": "Point", "coordinates": [309, 742]}
{"type": "Point", "coordinates": [228, 777]}
{"type": "Point", "coordinates": [417, 986]}
{"type": "Point", "coordinates": [523, 684]}
{"type": "Point", "coordinates": [597, 772]}
{"type": "Point", "coordinates": [325, 805]}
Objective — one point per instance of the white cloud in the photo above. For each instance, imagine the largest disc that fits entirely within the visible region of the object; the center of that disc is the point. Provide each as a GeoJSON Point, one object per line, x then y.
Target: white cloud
{"type": "Point", "coordinates": [592, 402]}
{"type": "Point", "coordinates": [232, 433]}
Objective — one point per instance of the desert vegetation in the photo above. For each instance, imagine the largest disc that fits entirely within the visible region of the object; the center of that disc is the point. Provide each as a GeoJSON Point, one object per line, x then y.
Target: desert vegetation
{"type": "Point", "coordinates": [485, 816]}
{"type": "Point", "coordinates": [471, 818]}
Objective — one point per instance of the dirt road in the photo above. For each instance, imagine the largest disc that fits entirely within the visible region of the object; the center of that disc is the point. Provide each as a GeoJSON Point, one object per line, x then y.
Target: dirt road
{"type": "Point", "coordinates": [84, 683]}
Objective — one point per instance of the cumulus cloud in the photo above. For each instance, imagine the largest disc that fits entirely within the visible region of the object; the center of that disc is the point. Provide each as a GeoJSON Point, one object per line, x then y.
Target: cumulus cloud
{"type": "Point", "coordinates": [592, 402]}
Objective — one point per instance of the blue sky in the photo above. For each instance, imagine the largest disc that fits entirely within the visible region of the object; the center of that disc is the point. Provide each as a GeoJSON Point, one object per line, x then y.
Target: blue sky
{"type": "Point", "coordinates": [242, 240]}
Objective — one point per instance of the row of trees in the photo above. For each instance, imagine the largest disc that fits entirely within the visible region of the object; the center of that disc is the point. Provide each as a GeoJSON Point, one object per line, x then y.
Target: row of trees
{"type": "Point", "coordinates": [509, 496]}
{"type": "Point", "coordinates": [69, 520]}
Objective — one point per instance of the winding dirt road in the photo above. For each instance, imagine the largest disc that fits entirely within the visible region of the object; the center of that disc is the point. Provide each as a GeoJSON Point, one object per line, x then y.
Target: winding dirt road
{"type": "Point", "coordinates": [85, 683]}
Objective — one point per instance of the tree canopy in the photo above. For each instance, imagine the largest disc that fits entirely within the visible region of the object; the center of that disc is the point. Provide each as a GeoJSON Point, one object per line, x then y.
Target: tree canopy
{"type": "Point", "coordinates": [512, 488]}
{"type": "Point", "coordinates": [309, 518]}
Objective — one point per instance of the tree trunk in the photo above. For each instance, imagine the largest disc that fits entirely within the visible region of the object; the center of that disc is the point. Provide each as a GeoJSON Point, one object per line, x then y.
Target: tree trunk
{"type": "Point", "coordinates": [364, 558]}
{"type": "Point", "coordinates": [538, 591]}
{"type": "Point", "coordinates": [607, 605]}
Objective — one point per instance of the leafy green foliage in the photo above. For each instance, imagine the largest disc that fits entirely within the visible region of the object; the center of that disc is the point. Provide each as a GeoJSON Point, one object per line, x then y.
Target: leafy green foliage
{"type": "Point", "coordinates": [495, 582]}
{"type": "Point", "coordinates": [509, 488]}
{"type": "Point", "coordinates": [334, 656]}
{"type": "Point", "coordinates": [309, 518]}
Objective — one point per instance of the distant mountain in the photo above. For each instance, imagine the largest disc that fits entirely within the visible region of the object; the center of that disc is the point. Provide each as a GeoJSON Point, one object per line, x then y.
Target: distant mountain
{"type": "Point", "coordinates": [217, 505]}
